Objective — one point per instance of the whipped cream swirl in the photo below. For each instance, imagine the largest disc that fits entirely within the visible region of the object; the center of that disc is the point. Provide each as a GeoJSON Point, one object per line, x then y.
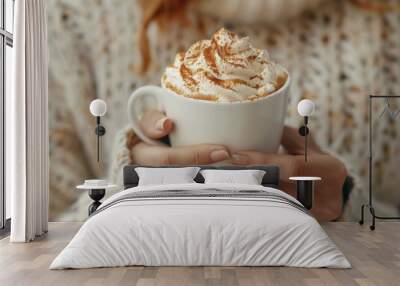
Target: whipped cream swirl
{"type": "Point", "coordinates": [225, 68]}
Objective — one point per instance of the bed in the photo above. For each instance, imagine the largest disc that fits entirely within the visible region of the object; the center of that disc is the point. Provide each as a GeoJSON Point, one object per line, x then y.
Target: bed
{"type": "Point", "coordinates": [198, 224]}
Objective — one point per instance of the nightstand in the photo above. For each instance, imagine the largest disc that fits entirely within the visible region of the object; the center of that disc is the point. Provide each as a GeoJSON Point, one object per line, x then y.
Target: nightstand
{"type": "Point", "coordinates": [96, 192]}
{"type": "Point", "coordinates": [305, 190]}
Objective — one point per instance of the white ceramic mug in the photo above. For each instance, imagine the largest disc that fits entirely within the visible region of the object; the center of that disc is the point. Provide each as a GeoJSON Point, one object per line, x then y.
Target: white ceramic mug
{"type": "Point", "coordinates": [246, 125]}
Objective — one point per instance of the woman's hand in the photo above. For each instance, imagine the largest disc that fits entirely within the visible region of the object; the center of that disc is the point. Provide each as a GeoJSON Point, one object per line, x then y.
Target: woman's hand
{"type": "Point", "coordinates": [328, 192]}
{"type": "Point", "coordinates": [156, 125]}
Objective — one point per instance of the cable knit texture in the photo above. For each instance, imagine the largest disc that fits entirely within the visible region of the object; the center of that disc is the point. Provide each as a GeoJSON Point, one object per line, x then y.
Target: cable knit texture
{"type": "Point", "coordinates": [337, 53]}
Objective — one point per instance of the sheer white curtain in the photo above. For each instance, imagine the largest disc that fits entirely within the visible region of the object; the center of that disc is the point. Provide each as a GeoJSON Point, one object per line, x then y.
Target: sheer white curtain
{"type": "Point", "coordinates": [27, 130]}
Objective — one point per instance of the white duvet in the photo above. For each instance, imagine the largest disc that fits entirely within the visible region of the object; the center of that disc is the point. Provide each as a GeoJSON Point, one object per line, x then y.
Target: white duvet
{"type": "Point", "coordinates": [200, 231]}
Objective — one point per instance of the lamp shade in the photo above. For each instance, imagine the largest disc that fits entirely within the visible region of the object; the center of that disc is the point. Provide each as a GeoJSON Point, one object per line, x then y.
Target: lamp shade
{"type": "Point", "coordinates": [98, 107]}
{"type": "Point", "coordinates": [305, 107]}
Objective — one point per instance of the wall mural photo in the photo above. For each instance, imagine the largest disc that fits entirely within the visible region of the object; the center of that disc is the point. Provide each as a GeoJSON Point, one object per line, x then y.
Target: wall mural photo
{"type": "Point", "coordinates": [199, 82]}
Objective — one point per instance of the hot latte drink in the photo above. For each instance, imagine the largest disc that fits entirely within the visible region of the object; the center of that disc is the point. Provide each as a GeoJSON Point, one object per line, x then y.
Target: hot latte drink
{"type": "Point", "coordinates": [225, 68]}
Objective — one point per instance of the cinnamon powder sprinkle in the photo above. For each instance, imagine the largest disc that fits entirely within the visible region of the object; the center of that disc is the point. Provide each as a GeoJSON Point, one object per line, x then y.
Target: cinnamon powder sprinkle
{"type": "Point", "coordinates": [228, 84]}
{"type": "Point", "coordinates": [194, 54]}
{"type": "Point", "coordinates": [256, 76]}
{"type": "Point", "coordinates": [173, 88]}
{"type": "Point", "coordinates": [187, 77]}
{"type": "Point", "coordinates": [225, 54]}
{"type": "Point", "coordinates": [210, 59]}
{"type": "Point", "coordinates": [205, 97]}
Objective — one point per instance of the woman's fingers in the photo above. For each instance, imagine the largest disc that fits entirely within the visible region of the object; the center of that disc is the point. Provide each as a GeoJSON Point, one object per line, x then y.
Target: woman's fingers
{"type": "Point", "coordinates": [155, 124]}
{"type": "Point", "coordinates": [253, 157]}
{"type": "Point", "coordinates": [203, 154]}
{"type": "Point", "coordinates": [288, 163]}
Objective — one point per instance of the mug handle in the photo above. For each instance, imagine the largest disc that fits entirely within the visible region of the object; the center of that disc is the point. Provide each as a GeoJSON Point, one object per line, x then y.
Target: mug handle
{"type": "Point", "coordinates": [144, 98]}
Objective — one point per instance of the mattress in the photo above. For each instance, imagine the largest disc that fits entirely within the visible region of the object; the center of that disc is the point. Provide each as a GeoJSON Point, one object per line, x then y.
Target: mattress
{"type": "Point", "coordinates": [201, 225]}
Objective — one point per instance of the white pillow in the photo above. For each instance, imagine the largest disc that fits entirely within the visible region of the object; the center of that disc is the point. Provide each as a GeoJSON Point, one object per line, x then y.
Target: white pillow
{"type": "Point", "coordinates": [248, 177]}
{"type": "Point", "coordinates": [162, 176]}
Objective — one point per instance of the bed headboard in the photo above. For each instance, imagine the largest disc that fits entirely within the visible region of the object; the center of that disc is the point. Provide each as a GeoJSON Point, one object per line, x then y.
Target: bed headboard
{"type": "Point", "coordinates": [271, 177]}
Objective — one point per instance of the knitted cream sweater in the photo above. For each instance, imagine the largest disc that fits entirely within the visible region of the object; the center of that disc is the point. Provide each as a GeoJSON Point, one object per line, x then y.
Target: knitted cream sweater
{"type": "Point", "coordinates": [336, 52]}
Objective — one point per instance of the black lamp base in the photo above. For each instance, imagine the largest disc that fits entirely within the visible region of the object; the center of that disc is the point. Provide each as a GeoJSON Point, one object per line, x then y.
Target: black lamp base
{"type": "Point", "coordinates": [305, 193]}
{"type": "Point", "coordinates": [96, 195]}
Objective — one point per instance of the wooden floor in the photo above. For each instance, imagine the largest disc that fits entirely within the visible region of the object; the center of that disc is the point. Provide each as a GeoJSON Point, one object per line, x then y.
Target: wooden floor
{"type": "Point", "coordinates": [375, 257]}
